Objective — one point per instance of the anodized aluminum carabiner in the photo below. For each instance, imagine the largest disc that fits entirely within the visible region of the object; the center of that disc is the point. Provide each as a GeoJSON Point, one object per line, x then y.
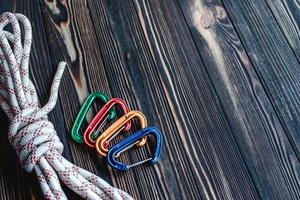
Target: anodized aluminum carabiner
{"type": "Point", "coordinates": [128, 142]}
{"type": "Point", "coordinates": [102, 116]}
{"type": "Point", "coordinates": [83, 111]}
{"type": "Point", "coordinates": [103, 140]}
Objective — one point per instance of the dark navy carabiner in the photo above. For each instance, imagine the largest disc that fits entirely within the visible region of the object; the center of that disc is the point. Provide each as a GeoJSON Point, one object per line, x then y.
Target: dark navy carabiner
{"type": "Point", "coordinates": [129, 142]}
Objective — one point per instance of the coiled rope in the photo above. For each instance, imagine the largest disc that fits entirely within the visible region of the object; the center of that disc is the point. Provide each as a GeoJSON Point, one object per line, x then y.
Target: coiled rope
{"type": "Point", "coordinates": [31, 133]}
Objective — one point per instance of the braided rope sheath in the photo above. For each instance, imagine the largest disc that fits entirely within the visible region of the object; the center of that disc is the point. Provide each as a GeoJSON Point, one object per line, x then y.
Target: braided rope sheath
{"type": "Point", "coordinates": [31, 133]}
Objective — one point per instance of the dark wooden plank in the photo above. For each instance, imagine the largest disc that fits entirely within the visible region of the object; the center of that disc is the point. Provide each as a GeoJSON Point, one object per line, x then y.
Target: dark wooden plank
{"type": "Point", "coordinates": [275, 63]}
{"type": "Point", "coordinates": [254, 122]}
{"type": "Point", "coordinates": [150, 50]}
{"type": "Point", "coordinates": [287, 16]}
{"type": "Point", "coordinates": [72, 38]}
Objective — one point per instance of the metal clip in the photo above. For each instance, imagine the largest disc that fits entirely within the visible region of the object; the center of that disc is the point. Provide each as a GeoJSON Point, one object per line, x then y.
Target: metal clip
{"type": "Point", "coordinates": [102, 116]}
{"type": "Point", "coordinates": [103, 140]}
{"type": "Point", "coordinates": [128, 142]}
{"type": "Point", "coordinates": [83, 111]}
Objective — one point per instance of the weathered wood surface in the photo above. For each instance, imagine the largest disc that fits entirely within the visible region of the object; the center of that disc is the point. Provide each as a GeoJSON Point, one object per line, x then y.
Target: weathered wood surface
{"type": "Point", "coordinates": [287, 16]}
{"type": "Point", "coordinates": [219, 78]}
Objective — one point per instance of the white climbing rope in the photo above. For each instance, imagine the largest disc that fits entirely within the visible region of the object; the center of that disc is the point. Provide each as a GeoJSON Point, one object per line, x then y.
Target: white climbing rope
{"type": "Point", "coordinates": [31, 133]}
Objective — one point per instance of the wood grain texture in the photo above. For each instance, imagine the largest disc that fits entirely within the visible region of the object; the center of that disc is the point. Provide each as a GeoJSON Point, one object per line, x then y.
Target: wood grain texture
{"type": "Point", "coordinates": [218, 78]}
{"type": "Point", "coordinates": [179, 99]}
{"type": "Point", "coordinates": [254, 122]}
{"type": "Point", "coordinates": [274, 61]}
{"type": "Point", "coordinates": [287, 16]}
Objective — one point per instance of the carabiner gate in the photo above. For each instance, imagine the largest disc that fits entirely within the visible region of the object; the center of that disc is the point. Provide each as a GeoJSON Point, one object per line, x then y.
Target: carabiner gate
{"type": "Point", "coordinates": [102, 116]}
{"type": "Point", "coordinates": [128, 142]}
{"type": "Point", "coordinates": [103, 140]}
{"type": "Point", "coordinates": [83, 111]}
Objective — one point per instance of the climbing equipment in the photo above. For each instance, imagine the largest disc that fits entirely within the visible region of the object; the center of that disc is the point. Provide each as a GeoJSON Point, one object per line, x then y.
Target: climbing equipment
{"type": "Point", "coordinates": [104, 139]}
{"type": "Point", "coordinates": [77, 137]}
{"type": "Point", "coordinates": [129, 142]}
{"type": "Point", "coordinates": [102, 117]}
{"type": "Point", "coordinates": [31, 133]}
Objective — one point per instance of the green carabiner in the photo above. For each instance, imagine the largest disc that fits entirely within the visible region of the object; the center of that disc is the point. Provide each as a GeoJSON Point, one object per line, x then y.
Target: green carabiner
{"type": "Point", "coordinates": [83, 111]}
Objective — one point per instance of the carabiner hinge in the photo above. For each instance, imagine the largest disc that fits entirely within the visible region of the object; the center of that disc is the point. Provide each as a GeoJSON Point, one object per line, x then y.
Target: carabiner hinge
{"type": "Point", "coordinates": [129, 142]}
{"type": "Point", "coordinates": [117, 127]}
{"type": "Point", "coordinates": [77, 137]}
{"type": "Point", "coordinates": [101, 118]}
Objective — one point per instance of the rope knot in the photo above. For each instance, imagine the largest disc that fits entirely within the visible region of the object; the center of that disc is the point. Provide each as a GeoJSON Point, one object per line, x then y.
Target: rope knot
{"type": "Point", "coordinates": [32, 137]}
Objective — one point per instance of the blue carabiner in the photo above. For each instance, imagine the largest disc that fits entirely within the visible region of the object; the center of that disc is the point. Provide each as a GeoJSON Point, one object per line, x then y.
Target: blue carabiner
{"type": "Point", "coordinates": [129, 142]}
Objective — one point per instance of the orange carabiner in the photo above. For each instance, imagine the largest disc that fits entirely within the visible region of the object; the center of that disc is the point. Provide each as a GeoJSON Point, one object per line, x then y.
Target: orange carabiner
{"type": "Point", "coordinates": [103, 140]}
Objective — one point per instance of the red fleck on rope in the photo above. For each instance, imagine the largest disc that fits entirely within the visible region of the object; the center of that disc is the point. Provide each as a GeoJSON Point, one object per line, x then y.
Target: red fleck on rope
{"type": "Point", "coordinates": [31, 133]}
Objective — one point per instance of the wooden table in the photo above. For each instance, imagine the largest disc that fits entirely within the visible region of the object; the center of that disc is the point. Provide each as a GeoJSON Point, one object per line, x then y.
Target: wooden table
{"type": "Point", "coordinates": [220, 78]}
